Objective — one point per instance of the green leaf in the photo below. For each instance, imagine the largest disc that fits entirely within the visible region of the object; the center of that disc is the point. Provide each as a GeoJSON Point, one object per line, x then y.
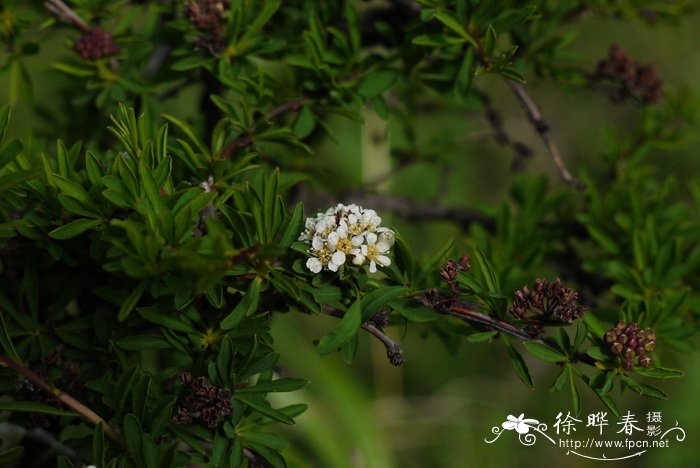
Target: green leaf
{"type": "Point", "coordinates": [518, 362]}
{"type": "Point", "coordinates": [9, 455]}
{"type": "Point", "coordinates": [131, 300]}
{"type": "Point", "coordinates": [346, 329]}
{"type": "Point", "coordinates": [597, 353]}
{"type": "Point", "coordinates": [5, 116]}
{"type": "Point", "coordinates": [544, 352]}
{"type": "Point", "coordinates": [659, 372]}
{"type": "Point", "coordinates": [98, 445]}
{"type": "Point", "coordinates": [71, 189]}
{"type": "Point", "coordinates": [32, 407]}
{"type": "Point", "coordinates": [246, 306]}
{"type": "Point", "coordinates": [380, 297]}
{"type": "Point", "coordinates": [294, 228]}
{"type": "Point", "coordinates": [6, 341]}
{"type": "Point", "coordinates": [165, 319]}
{"type": "Point", "coordinates": [263, 407]}
{"type": "Point", "coordinates": [74, 228]}
{"type": "Point", "coordinates": [465, 75]}
{"type": "Point", "coordinates": [581, 332]}
{"type": "Point", "coordinates": [134, 436]}
{"type": "Point", "coordinates": [604, 240]}
{"type": "Point", "coordinates": [414, 311]}
{"type": "Point", "coordinates": [488, 272]}
{"type": "Point", "coordinates": [480, 337]}
{"type": "Point", "coordinates": [142, 342]}
{"type": "Point", "coordinates": [449, 20]}
{"type": "Point", "coordinates": [376, 83]}
{"type": "Point", "coordinates": [575, 395]}
{"type": "Point", "coordinates": [561, 380]}
{"type": "Point", "coordinates": [490, 41]}
{"type": "Point", "coordinates": [10, 152]}
{"type": "Point", "coordinates": [305, 123]}
{"type": "Point", "coordinates": [279, 385]}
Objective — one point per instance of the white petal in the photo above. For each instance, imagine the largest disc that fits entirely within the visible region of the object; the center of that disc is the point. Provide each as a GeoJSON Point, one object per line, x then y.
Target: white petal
{"type": "Point", "coordinates": [364, 249]}
{"type": "Point", "coordinates": [332, 266]}
{"type": "Point", "coordinates": [383, 246]}
{"type": "Point", "coordinates": [338, 258]}
{"type": "Point", "coordinates": [314, 264]}
{"type": "Point", "coordinates": [372, 267]}
{"type": "Point", "coordinates": [508, 425]}
{"type": "Point", "coordinates": [358, 240]}
{"type": "Point", "coordinates": [383, 260]}
{"type": "Point", "coordinates": [371, 238]}
{"type": "Point", "coordinates": [359, 259]}
{"type": "Point", "coordinates": [317, 243]}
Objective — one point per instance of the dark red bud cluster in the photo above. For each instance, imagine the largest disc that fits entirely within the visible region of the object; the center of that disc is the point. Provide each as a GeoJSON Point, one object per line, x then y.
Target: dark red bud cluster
{"type": "Point", "coordinates": [202, 401]}
{"type": "Point", "coordinates": [633, 79]}
{"type": "Point", "coordinates": [547, 302]}
{"type": "Point", "coordinates": [208, 17]}
{"type": "Point", "coordinates": [629, 342]}
{"type": "Point", "coordinates": [95, 44]}
{"type": "Point", "coordinates": [451, 269]}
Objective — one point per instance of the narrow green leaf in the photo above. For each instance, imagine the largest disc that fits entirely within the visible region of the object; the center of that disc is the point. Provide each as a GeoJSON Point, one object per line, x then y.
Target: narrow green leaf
{"type": "Point", "coordinates": [480, 337]}
{"type": "Point", "coordinates": [575, 396]}
{"type": "Point", "coordinates": [659, 372]}
{"type": "Point", "coordinates": [6, 341]}
{"type": "Point", "coordinates": [246, 306]}
{"type": "Point", "coordinates": [12, 454]}
{"type": "Point", "coordinates": [71, 189]}
{"type": "Point", "coordinates": [279, 385]}
{"type": "Point", "coordinates": [98, 445]}
{"type": "Point", "coordinates": [5, 116]}
{"type": "Point", "coordinates": [10, 152]}
{"type": "Point", "coordinates": [561, 380]}
{"type": "Point", "coordinates": [134, 436]}
{"type": "Point", "coordinates": [518, 362]}
{"type": "Point", "coordinates": [488, 272]}
{"type": "Point", "coordinates": [142, 342]}
{"type": "Point", "coordinates": [346, 329]}
{"type": "Point", "coordinates": [380, 297]}
{"type": "Point", "coordinates": [165, 319]}
{"type": "Point", "coordinates": [131, 300]}
{"type": "Point", "coordinates": [544, 352]}
{"type": "Point", "coordinates": [32, 407]}
{"type": "Point", "coordinates": [263, 407]}
{"type": "Point", "coordinates": [294, 228]}
{"type": "Point", "coordinates": [376, 83]}
{"type": "Point", "coordinates": [449, 20]}
{"type": "Point", "coordinates": [74, 228]}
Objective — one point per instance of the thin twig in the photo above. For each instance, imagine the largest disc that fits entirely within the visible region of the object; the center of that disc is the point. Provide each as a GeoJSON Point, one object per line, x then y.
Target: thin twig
{"type": "Point", "coordinates": [244, 139]}
{"type": "Point", "coordinates": [542, 127]}
{"type": "Point", "coordinates": [87, 414]}
{"type": "Point", "coordinates": [393, 349]}
{"type": "Point", "coordinates": [64, 13]}
{"type": "Point", "coordinates": [520, 150]}
{"type": "Point", "coordinates": [460, 311]}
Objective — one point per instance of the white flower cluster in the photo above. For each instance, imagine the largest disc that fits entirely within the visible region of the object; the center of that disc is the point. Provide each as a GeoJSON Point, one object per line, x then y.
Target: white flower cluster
{"type": "Point", "coordinates": [347, 231]}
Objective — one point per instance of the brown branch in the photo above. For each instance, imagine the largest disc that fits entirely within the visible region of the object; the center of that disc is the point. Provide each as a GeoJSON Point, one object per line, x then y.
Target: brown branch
{"type": "Point", "coordinates": [64, 13]}
{"type": "Point", "coordinates": [393, 349]}
{"type": "Point", "coordinates": [520, 150]}
{"type": "Point", "coordinates": [460, 311]}
{"type": "Point", "coordinates": [542, 127]}
{"type": "Point", "coordinates": [245, 140]}
{"type": "Point", "coordinates": [87, 414]}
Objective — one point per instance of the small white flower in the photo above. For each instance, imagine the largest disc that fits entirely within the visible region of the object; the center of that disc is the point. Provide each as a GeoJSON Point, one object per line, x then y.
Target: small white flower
{"type": "Point", "coordinates": [346, 233]}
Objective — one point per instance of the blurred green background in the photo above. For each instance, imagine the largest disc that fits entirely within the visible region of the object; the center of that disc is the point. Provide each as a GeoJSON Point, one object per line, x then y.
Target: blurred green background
{"type": "Point", "coordinates": [437, 409]}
